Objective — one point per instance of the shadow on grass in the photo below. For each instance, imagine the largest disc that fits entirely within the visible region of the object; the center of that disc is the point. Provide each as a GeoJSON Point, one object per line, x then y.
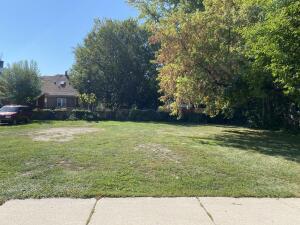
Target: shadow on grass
{"type": "Point", "coordinates": [178, 123]}
{"type": "Point", "coordinates": [265, 142]}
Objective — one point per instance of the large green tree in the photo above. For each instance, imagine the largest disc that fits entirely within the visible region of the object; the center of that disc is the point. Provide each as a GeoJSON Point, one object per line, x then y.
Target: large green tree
{"type": "Point", "coordinates": [199, 54]}
{"type": "Point", "coordinates": [268, 92]}
{"type": "Point", "coordinates": [273, 43]}
{"type": "Point", "coordinates": [154, 10]}
{"type": "Point", "coordinates": [20, 83]}
{"type": "Point", "coordinates": [230, 56]}
{"type": "Point", "coordinates": [114, 62]}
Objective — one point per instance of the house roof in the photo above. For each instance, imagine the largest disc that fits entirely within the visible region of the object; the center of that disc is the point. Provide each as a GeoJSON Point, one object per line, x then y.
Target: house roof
{"type": "Point", "coordinates": [58, 85]}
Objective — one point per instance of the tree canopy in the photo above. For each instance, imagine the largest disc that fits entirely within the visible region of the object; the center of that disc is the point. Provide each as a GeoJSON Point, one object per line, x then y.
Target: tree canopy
{"type": "Point", "coordinates": [20, 83]}
{"type": "Point", "coordinates": [273, 44]}
{"type": "Point", "coordinates": [227, 56]}
{"type": "Point", "coordinates": [114, 63]}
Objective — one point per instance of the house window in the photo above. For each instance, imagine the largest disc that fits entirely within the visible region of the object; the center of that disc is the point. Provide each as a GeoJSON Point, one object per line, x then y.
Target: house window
{"type": "Point", "coordinates": [61, 102]}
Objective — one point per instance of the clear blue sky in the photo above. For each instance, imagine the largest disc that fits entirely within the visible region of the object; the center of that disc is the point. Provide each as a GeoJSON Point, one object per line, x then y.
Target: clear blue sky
{"type": "Point", "coordinates": [48, 30]}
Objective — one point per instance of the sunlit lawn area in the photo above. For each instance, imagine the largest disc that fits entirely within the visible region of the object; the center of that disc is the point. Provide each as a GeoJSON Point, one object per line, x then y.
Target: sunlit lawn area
{"type": "Point", "coordinates": [52, 159]}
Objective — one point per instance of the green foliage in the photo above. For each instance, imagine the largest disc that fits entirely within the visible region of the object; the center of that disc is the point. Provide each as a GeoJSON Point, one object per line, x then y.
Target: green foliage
{"type": "Point", "coordinates": [121, 115]}
{"type": "Point", "coordinates": [82, 115]}
{"type": "Point", "coordinates": [88, 100]}
{"type": "Point", "coordinates": [143, 115]}
{"type": "Point", "coordinates": [155, 10]}
{"type": "Point", "coordinates": [200, 55]}
{"type": "Point", "coordinates": [45, 114]}
{"type": "Point", "coordinates": [114, 64]}
{"type": "Point", "coordinates": [273, 45]}
{"type": "Point", "coordinates": [238, 58]}
{"type": "Point", "coordinates": [20, 83]}
{"type": "Point", "coordinates": [265, 93]}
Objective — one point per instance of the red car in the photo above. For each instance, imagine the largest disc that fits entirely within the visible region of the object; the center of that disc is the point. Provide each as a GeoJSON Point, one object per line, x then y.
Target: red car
{"type": "Point", "coordinates": [14, 114]}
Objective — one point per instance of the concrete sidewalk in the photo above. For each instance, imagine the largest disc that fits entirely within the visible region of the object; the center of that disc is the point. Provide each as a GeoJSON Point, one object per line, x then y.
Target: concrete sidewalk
{"type": "Point", "coordinates": [152, 211]}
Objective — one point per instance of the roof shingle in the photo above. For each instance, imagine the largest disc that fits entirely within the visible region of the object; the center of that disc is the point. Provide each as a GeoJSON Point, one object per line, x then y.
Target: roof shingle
{"type": "Point", "coordinates": [52, 85]}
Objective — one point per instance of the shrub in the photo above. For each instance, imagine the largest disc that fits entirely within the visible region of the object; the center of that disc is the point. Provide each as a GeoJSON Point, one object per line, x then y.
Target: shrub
{"type": "Point", "coordinates": [45, 114]}
{"type": "Point", "coordinates": [143, 115]}
{"type": "Point", "coordinates": [61, 114]}
{"type": "Point", "coordinates": [123, 115]}
{"type": "Point", "coordinates": [106, 115]}
{"type": "Point", "coordinates": [192, 117]}
{"type": "Point", "coordinates": [77, 114]}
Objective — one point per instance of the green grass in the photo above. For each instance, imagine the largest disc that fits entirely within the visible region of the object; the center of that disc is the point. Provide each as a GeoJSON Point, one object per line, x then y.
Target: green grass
{"type": "Point", "coordinates": [148, 159]}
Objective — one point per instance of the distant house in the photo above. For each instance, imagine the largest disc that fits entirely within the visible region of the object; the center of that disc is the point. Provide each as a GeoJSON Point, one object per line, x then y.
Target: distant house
{"type": "Point", "coordinates": [57, 92]}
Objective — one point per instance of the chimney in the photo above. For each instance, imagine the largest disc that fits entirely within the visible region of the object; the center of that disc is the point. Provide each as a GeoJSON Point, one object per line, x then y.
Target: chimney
{"type": "Point", "coordinates": [1, 66]}
{"type": "Point", "coordinates": [66, 74]}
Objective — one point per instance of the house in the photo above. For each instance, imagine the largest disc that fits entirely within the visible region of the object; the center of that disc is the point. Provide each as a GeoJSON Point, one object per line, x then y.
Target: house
{"type": "Point", "coordinates": [57, 92]}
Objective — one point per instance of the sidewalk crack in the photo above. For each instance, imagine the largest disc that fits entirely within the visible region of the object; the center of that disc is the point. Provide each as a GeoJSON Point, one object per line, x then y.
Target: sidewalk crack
{"type": "Point", "coordinates": [92, 211]}
{"type": "Point", "coordinates": [206, 211]}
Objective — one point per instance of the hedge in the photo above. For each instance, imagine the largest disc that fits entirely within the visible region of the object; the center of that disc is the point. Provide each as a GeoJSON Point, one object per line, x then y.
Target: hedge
{"type": "Point", "coordinates": [137, 115]}
{"type": "Point", "coordinates": [118, 115]}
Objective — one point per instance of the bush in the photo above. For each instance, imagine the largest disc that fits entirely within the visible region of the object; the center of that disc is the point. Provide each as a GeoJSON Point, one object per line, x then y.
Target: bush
{"type": "Point", "coordinates": [46, 114]}
{"type": "Point", "coordinates": [61, 114]}
{"type": "Point", "coordinates": [121, 115]}
{"type": "Point", "coordinates": [143, 115]}
{"type": "Point", "coordinates": [195, 118]}
{"type": "Point", "coordinates": [82, 115]}
{"type": "Point", "coordinates": [105, 115]}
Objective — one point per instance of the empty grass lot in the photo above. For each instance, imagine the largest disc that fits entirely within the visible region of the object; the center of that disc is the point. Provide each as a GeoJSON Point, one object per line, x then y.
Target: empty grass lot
{"type": "Point", "coordinates": [56, 159]}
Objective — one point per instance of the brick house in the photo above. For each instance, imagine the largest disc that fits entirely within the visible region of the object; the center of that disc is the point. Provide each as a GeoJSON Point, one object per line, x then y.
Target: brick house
{"type": "Point", "coordinates": [57, 92]}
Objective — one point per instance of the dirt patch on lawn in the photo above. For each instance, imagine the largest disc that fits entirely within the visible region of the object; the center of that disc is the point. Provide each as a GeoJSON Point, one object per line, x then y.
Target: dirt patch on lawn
{"type": "Point", "coordinates": [69, 165]}
{"type": "Point", "coordinates": [158, 151]}
{"type": "Point", "coordinates": [63, 134]}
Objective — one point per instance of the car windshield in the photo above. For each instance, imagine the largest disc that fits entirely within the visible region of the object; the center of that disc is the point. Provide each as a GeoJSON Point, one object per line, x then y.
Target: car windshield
{"type": "Point", "coordinates": [9, 109]}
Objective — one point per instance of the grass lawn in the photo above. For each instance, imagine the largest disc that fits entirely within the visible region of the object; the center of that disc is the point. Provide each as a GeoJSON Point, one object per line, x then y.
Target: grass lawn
{"type": "Point", "coordinates": [146, 159]}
